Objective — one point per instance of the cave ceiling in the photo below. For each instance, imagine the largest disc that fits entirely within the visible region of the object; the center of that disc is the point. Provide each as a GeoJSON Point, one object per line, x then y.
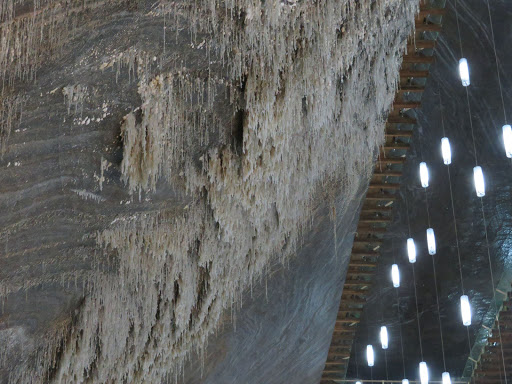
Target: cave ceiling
{"type": "Point", "coordinates": [445, 97]}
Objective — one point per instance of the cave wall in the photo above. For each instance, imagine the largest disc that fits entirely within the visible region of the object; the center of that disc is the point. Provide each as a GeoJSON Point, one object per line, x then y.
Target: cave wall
{"type": "Point", "coordinates": [158, 159]}
{"type": "Point", "coordinates": [283, 330]}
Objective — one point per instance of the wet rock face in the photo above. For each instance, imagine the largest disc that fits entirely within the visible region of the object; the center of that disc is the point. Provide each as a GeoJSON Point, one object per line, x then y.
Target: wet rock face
{"type": "Point", "coordinates": [159, 159]}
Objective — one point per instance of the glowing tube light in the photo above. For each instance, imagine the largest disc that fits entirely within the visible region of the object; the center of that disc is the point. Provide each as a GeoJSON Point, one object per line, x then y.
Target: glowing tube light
{"type": "Point", "coordinates": [478, 175]}
{"type": "Point", "coordinates": [405, 381]}
{"type": "Point", "coordinates": [370, 356]}
{"type": "Point", "coordinates": [423, 373]}
{"type": "Point", "coordinates": [446, 378]}
{"type": "Point", "coordinates": [446, 150]}
{"type": "Point", "coordinates": [411, 250]}
{"type": "Point", "coordinates": [395, 275]}
{"type": "Point", "coordinates": [464, 72]}
{"type": "Point", "coordinates": [384, 340]}
{"type": "Point", "coordinates": [465, 310]}
{"type": "Point", "coordinates": [431, 241]}
{"type": "Point", "coordinates": [424, 174]}
{"type": "Point", "coordinates": [507, 140]}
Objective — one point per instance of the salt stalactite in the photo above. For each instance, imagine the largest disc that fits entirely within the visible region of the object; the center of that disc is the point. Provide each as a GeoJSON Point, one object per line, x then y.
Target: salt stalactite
{"type": "Point", "coordinates": [86, 195]}
{"type": "Point", "coordinates": [319, 79]}
{"type": "Point", "coordinates": [155, 147]}
{"type": "Point", "coordinates": [74, 97]}
{"type": "Point", "coordinates": [104, 165]}
{"type": "Point", "coordinates": [21, 37]}
{"type": "Point", "coordinates": [28, 38]}
{"type": "Point", "coordinates": [31, 36]}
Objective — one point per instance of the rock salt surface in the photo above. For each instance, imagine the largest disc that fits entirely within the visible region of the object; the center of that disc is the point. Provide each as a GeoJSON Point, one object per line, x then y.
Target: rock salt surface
{"type": "Point", "coordinates": [311, 84]}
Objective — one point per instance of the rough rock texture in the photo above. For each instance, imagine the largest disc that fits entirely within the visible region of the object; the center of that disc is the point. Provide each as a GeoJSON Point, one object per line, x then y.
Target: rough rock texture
{"type": "Point", "coordinates": [158, 157]}
{"type": "Point", "coordinates": [282, 333]}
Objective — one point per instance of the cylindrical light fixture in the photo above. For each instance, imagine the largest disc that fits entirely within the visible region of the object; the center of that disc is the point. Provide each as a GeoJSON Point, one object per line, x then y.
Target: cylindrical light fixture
{"type": "Point", "coordinates": [446, 378]}
{"type": "Point", "coordinates": [423, 373]}
{"type": "Point", "coordinates": [405, 381]}
{"type": "Point", "coordinates": [424, 174]}
{"type": "Point", "coordinates": [431, 241]}
{"type": "Point", "coordinates": [507, 139]}
{"type": "Point", "coordinates": [411, 250]}
{"type": "Point", "coordinates": [384, 340]}
{"type": "Point", "coordinates": [465, 310]}
{"type": "Point", "coordinates": [464, 72]}
{"type": "Point", "coordinates": [446, 150]}
{"type": "Point", "coordinates": [478, 175]}
{"type": "Point", "coordinates": [369, 355]}
{"type": "Point", "coordinates": [395, 275]}
{"type": "Point", "coordinates": [358, 382]}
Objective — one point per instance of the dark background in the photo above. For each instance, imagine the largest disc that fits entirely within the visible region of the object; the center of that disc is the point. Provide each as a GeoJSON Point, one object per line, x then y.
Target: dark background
{"type": "Point", "coordinates": [487, 117]}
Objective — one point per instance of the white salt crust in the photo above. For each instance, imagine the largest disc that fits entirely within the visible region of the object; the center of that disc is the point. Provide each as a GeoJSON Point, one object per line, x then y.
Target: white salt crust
{"type": "Point", "coordinates": [319, 79]}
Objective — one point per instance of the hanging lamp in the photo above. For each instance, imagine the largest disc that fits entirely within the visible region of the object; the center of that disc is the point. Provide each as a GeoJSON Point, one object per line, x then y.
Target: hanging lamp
{"type": "Point", "coordinates": [370, 357]}
{"type": "Point", "coordinates": [431, 241]}
{"type": "Point", "coordinates": [465, 310]}
{"type": "Point", "coordinates": [395, 275]}
{"type": "Point", "coordinates": [464, 72]}
{"type": "Point", "coordinates": [446, 378]}
{"type": "Point", "coordinates": [423, 373]}
{"type": "Point", "coordinates": [478, 176]}
{"type": "Point", "coordinates": [424, 174]}
{"type": "Point", "coordinates": [411, 250]}
{"type": "Point", "coordinates": [384, 340]}
{"type": "Point", "coordinates": [507, 140]}
{"type": "Point", "coordinates": [446, 150]}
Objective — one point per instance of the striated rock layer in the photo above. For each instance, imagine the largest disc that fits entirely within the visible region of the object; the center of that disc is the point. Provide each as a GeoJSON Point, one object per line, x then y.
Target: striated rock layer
{"type": "Point", "coordinates": [235, 119]}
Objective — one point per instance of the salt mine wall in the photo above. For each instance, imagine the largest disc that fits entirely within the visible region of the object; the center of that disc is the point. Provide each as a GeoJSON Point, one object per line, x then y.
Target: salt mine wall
{"type": "Point", "coordinates": [169, 168]}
